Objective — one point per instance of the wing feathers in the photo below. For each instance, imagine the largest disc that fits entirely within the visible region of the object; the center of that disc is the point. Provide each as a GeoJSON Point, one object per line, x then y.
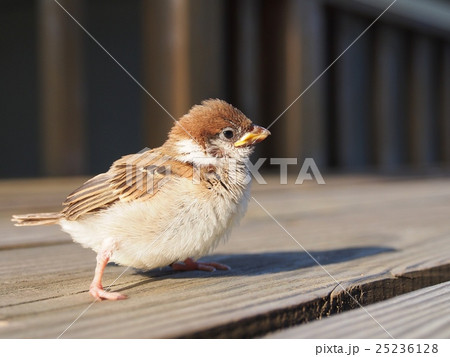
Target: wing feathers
{"type": "Point", "coordinates": [133, 177]}
{"type": "Point", "coordinates": [93, 186]}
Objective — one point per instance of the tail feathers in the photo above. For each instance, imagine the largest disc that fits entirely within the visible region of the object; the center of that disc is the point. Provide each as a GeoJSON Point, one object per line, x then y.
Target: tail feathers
{"type": "Point", "coordinates": [36, 219]}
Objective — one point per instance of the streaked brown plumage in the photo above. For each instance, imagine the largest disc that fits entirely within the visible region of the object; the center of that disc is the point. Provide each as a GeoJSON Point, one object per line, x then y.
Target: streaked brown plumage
{"type": "Point", "coordinates": [167, 204]}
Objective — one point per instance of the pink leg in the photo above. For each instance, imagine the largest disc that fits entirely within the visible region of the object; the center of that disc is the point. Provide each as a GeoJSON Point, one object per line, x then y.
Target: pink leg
{"type": "Point", "coordinates": [191, 264]}
{"type": "Point", "coordinates": [96, 288]}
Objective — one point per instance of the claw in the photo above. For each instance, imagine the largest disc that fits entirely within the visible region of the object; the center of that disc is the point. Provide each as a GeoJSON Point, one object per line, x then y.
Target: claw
{"type": "Point", "coordinates": [190, 264]}
{"type": "Point", "coordinates": [96, 288]}
{"type": "Point", "coordinates": [98, 292]}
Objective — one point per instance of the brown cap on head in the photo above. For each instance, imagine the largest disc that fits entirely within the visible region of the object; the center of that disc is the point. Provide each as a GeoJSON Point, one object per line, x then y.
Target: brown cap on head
{"type": "Point", "coordinates": [208, 119]}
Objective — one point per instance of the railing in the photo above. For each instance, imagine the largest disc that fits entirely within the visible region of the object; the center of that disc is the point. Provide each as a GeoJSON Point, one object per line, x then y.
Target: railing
{"type": "Point", "coordinates": [383, 105]}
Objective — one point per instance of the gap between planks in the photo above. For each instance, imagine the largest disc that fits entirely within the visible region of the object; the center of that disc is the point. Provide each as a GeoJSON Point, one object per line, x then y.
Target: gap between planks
{"type": "Point", "coordinates": [335, 303]}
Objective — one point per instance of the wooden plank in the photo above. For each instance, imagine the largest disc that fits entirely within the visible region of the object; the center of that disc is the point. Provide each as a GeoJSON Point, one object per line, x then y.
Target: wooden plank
{"type": "Point", "coordinates": [21, 195]}
{"type": "Point", "coordinates": [424, 313]}
{"type": "Point", "coordinates": [378, 238]}
{"type": "Point", "coordinates": [44, 195]}
{"type": "Point", "coordinates": [38, 195]}
{"type": "Point", "coordinates": [62, 127]}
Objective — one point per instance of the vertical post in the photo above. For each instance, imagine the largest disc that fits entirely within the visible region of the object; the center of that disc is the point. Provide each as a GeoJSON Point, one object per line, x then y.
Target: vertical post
{"type": "Point", "coordinates": [272, 71]}
{"type": "Point", "coordinates": [352, 93]}
{"type": "Point", "coordinates": [165, 66]}
{"type": "Point", "coordinates": [114, 100]}
{"type": "Point", "coordinates": [444, 98]}
{"type": "Point", "coordinates": [423, 103]}
{"type": "Point", "coordinates": [390, 116]}
{"type": "Point", "coordinates": [207, 51]}
{"type": "Point", "coordinates": [180, 60]}
{"type": "Point", "coordinates": [245, 67]}
{"type": "Point", "coordinates": [184, 59]}
{"type": "Point", "coordinates": [62, 129]}
{"type": "Point", "coordinates": [305, 131]}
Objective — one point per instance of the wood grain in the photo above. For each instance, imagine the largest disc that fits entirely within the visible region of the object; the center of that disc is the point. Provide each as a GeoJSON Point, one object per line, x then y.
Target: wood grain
{"type": "Point", "coordinates": [424, 313]}
{"type": "Point", "coordinates": [376, 237]}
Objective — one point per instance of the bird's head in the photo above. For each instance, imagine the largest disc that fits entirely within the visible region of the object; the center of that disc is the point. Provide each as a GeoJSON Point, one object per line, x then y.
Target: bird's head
{"type": "Point", "coordinates": [212, 130]}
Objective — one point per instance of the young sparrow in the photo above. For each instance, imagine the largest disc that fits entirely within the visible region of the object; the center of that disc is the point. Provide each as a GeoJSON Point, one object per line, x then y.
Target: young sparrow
{"type": "Point", "coordinates": [165, 205]}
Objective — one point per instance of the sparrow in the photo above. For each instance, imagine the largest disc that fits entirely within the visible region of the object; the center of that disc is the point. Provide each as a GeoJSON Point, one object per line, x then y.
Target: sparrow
{"type": "Point", "coordinates": [167, 206]}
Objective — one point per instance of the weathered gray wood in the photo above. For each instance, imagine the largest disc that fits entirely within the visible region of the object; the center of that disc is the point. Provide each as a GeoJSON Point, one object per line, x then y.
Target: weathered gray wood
{"type": "Point", "coordinates": [378, 238]}
{"type": "Point", "coordinates": [23, 196]}
{"type": "Point", "coordinates": [424, 313]}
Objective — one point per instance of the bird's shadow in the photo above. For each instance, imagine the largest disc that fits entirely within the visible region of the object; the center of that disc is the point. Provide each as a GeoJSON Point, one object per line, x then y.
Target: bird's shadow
{"type": "Point", "coordinates": [252, 264]}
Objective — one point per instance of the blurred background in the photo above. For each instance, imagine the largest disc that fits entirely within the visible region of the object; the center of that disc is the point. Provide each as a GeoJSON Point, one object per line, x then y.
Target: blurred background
{"type": "Point", "coordinates": [67, 108]}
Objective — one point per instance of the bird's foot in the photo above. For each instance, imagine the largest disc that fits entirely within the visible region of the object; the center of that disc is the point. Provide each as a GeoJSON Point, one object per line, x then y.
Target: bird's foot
{"type": "Point", "coordinates": [97, 291]}
{"type": "Point", "coordinates": [191, 264]}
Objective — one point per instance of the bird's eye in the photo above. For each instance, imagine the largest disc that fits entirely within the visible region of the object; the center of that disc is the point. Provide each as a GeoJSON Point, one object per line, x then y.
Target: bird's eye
{"type": "Point", "coordinates": [228, 134]}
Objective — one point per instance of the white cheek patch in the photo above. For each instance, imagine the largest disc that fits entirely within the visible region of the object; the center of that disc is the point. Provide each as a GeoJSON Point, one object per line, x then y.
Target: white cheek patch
{"type": "Point", "coordinates": [188, 146]}
{"type": "Point", "coordinates": [190, 151]}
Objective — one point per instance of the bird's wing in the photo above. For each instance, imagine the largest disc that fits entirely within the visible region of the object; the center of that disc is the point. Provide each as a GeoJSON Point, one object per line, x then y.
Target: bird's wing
{"type": "Point", "coordinates": [133, 177]}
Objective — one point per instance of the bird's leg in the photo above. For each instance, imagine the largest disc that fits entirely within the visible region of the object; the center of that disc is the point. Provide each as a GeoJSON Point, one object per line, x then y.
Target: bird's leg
{"type": "Point", "coordinates": [96, 288]}
{"type": "Point", "coordinates": [191, 264]}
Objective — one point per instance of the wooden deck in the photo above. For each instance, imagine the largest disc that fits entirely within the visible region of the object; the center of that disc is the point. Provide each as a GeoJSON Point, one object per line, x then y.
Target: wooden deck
{"type": "Point", "coordinates": [424, 313]}
{"type": "Point", "coordinates": [376, 237]}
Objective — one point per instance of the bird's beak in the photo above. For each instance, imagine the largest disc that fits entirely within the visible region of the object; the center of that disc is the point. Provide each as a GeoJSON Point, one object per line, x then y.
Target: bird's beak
{"type": "Point", "coordinates": [255, 136]}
